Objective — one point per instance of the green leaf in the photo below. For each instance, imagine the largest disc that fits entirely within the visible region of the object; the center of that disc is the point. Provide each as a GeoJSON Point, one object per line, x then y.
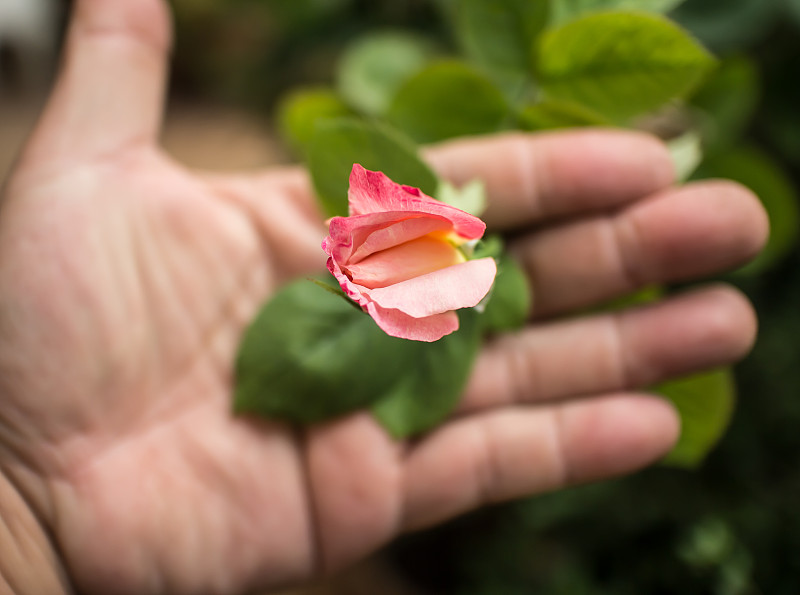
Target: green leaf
{"type": "Point", "coordinates": [499, 34]}
{"type": "Point", "coordinates": [620, 64]}
{"type": "Point", "coordinates": [640, 297]}
{"type": "Point", "coordinates": [687, 153]}
{"type": "Point", "coordinates": [334, 289]}
{"type": "Point", "coordinates": [728, 100]}
{"type": "Point", "coordinates": [489, 247]}
{"type": "Point", "coordinates": [757, 170]}
{"type": "Point", "coordinates": [309, 356]}
{"type": "Point", "coordinates": [550, 115]}
{"type": "Point", "coordinates": [705, 404]}
{"type": "Point", "coordinates": [338, 144]}
{"type": "Point", "coordinates": [510, 302]}
{"type": "Point", "coordinates": [567, 10]}
{"type": "Point", "coordinates": [446, 100]}
{"type": "Point", "coordinates": [300, 111]}
{"type": "Point", "coordinates": [432, 386]}
{"type": "Point", "coordinates": [470, 198]}
{"type": "Point", "coordinates": [373, 68]}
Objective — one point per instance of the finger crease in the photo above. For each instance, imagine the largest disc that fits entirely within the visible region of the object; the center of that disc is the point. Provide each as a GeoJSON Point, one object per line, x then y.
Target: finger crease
{"type": "Point", "coordinates": [104, 34]}
{"type": "Point", "coordinates": [621, 364]}
{"type": "Point", "coordinates": [487, 471]}
{"type": "Point", "coordinates": [316, 550]}
{"type": "Point", "coordinates": [622, 238]}
{"type": "Point", "coordinates": [563, 472]}
{"type": "Point", "coordinates": [523, 381]}
{"type": "Point", "coordinates": [529, 174]}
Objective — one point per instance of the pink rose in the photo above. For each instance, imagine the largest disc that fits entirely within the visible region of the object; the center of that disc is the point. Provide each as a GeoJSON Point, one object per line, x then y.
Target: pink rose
{"type": "Point", "coordinates": [398, 256]}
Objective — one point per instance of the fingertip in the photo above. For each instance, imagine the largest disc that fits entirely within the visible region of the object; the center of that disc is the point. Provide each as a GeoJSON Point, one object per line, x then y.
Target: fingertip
{"type": "Point", "coordinates": [698, 330]}
{"type": "Point", "coordinates": [663, 422]}
{"type": "Point", "coordinates": [743, 212]}
{"type": "Point", "coordinates": [641, 152]}
{"type": "Point", "coordinates": [662, 165]}
{"type": "Point", "coordinates": [144, 20]}
{"type": "Point", "coordinates": [109, 94]}
{"type": "Point", "coordinates": [619, 434]}
{"type": "Point", "coordinates": [701, 228]}
{"type": "Point", "coordinates": [730, 320]}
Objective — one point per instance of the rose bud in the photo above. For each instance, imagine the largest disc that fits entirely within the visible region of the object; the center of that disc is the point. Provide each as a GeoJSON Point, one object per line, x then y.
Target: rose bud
{"type": "Point", "coordinates": [398, 255]}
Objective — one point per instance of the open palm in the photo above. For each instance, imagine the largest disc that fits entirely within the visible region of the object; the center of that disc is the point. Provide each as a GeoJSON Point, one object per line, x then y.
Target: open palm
{"type": "Point", "coordinates": [126, 282]}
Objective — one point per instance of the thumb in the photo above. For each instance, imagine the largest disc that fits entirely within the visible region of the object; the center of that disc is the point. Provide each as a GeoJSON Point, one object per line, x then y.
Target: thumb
{"type": "Point", "coordinates": [109, 93]}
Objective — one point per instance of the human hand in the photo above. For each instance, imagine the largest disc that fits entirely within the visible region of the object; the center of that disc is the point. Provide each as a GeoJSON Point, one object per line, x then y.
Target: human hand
{"type": "Point", "coordinates": [126, 282]}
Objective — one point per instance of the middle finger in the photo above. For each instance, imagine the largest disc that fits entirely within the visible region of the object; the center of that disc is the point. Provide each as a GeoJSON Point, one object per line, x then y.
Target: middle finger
{"type": "Point", "coordinates": [677, 234]}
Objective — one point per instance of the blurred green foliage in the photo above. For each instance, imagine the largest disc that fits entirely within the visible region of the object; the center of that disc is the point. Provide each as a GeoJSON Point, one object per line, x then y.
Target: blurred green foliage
{"type": "Point", "coordinates": [373, 68]}
{"type": "Point", "coordinates": [705, 405]}
{"type": "Point", "coordinates": [423, 105]}
{"type": "Point", "coordinates": [338, 144]}
{"type": "Point", "coordinates": [529, 71]}
{"type": "Point", "coordinates": [310, 356]}
{"type": "Point", "coordinates": [619, 64]}
{"type": "Point", "coordinates": [733, 526]}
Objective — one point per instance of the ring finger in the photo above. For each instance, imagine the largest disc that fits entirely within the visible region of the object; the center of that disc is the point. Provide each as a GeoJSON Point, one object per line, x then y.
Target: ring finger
{"type": "Point", "coordinates": [614, 351]}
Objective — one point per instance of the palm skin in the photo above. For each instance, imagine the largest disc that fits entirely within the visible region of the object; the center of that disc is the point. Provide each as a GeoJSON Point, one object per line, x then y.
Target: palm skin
{"type": "Point", "coordinates": [125, 285]}
{"type": "Point", "coordinates": [141, 290]}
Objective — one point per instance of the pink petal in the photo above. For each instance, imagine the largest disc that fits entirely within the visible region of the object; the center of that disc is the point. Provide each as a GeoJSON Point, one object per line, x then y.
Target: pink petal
{"type": "Point", "coordinates": [347, 234]}
{"type": "Point", "coordinates": [459, 286]}
{"type": "Point", "coordinates": [341, 228]}
{"type": "Point", "coordinates": [399, 233]}
{"type": "Point", "coordinates": [397, 324]}
{"type": "Point", "coordinates": [374, 192]}
{"type": "Point", "coordinates": [355, 292]}
{"type": "Point", "coordinates": [406, 261]}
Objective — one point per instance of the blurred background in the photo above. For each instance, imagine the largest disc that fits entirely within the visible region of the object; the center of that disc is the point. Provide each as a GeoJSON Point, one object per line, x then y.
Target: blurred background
{"type": "Point", "coordinates": [730, 526]}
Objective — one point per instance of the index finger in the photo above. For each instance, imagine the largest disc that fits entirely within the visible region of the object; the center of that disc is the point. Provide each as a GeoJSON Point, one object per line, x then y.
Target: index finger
{"type": "Point", "coordinates": [535, 177]}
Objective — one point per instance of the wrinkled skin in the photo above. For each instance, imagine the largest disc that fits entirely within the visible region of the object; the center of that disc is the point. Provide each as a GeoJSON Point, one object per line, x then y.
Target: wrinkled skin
{"type": "Point", "coordinates": [126, 281]}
